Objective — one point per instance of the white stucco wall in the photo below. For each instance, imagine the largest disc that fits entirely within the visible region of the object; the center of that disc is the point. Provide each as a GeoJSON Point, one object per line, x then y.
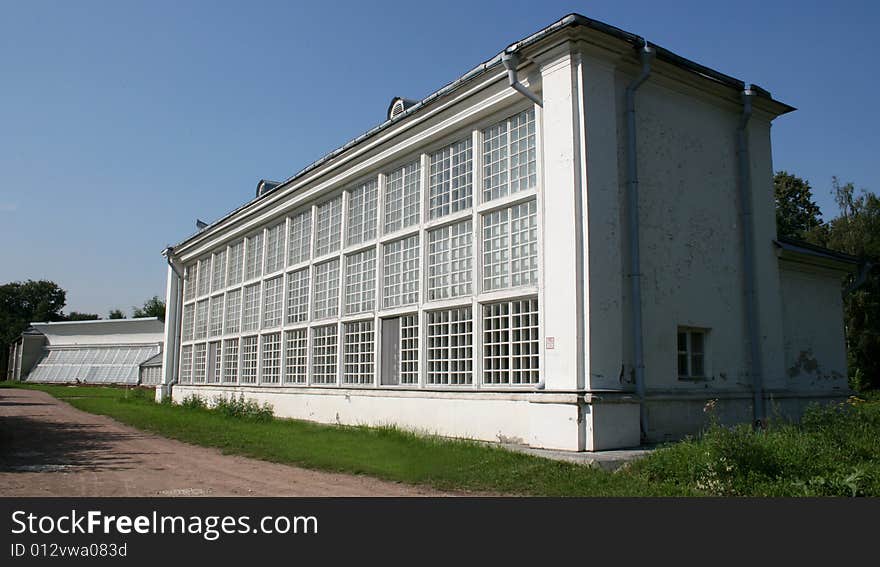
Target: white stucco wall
{"type": "Point", "coordinates": [815, 351]}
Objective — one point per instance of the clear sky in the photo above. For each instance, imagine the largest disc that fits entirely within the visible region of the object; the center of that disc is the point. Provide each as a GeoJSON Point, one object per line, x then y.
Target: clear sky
{"type": "Point", "coordinates": [121, 122]}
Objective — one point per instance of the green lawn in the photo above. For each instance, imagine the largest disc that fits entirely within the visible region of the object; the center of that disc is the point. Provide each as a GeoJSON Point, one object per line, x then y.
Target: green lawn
{"type": "Point", "coordinates": [835, 452]}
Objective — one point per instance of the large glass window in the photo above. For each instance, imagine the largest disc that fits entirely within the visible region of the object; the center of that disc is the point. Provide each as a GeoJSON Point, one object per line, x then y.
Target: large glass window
{"type": "Point", "coordinates": [299, 237]}
{"type": "Point", "coordinates": [400, 283]}
{"type": "Point", "coordinates": [190, 274]}
{"type": "Point", "coordinates": [510, 247]}
{"type": "Point", "coordinates": [233, 311]}
{"type": "Point", "coordinates": [509, 156]}
{"type": "Point", "coordinates": [298, 296]}
{"type": "Point", "coordinates": [251, 319]}
{"type": "Point", "coordinates": [449, 261]}
{"type": "Point", "coordinates": [187, 323]}
{"type": "Point", "coordinates": [216, 325]}
{"type": "Point", "coordinates": [273, 291]}
{"type": "Point", "coordinates": [360, 282]}
{"type": "Point", "coordinates": [204, 285]}
{"type": "Point", "coordinates": [230, 360]}
{"type": "Point", "coordinates": [186, 361]}
{"type": "Point", "coordinates": [236, 263]}
{"type": "Point", "coordinates": [402, 197]}
{"type": "Point", "coordinates": [450, 346]}
{"type": "Point", "coordinates": [201, 328]}
{"type": "Point", "coordinates": [510, 342]}
{"type": "Point", "coordinates": [328, 227]}
{"type": "Point", "coordinates": [200, 360]}
{"type": "Point", "coordinates": [359, 353]}
{"type": "Point", "coordinates": [295, 352]}
{"type": "Point", "coordinates": [451, 181]}
{"type": "Point", "coordinates": [362, 212]}
{"type": "Point", "coordinates": [218, 278]}
{"type": "Point", "coordinates": [326, 289]}
{"type": "Point", "coordinates": [271, 372]}
{"type": "Point", "coordinates": [253, 264]}
{"type": "Point", "coordinates": [249, 358]}
{"type": "Point", "coordinates": [325, 342]}
{"type": "Point", "coordinates": [275, 248]}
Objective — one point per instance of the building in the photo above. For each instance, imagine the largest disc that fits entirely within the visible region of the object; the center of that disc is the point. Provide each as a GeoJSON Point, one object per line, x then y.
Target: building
{"type": "Point", "coordinates": [87, 352]}
{"type": "Point", "coordinates": [571, 246]}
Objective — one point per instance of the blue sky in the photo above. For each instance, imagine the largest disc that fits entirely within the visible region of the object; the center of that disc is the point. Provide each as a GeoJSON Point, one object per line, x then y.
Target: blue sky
{"type": "Point", "coordinates": [122, 122]}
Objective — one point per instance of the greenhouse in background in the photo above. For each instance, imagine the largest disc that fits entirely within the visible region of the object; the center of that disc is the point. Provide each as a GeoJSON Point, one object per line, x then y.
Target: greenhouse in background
{"type": "Point", "coordinates": [114, 351]}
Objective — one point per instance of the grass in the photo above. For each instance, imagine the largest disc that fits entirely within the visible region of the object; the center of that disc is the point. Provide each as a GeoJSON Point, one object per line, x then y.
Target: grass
{"type": "Point", "coordinates": [835, 452]}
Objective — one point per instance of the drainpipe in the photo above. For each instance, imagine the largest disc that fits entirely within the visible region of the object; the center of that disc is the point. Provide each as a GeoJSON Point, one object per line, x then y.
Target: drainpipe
{"type": "Point", "coordinates": [752, 316]}
{"type": "Point", "coordinates": [646, 55]}
{"type": "Point", "coordinates": [173, 315]}
{"type": "Point", "coordinates": [511, 61]}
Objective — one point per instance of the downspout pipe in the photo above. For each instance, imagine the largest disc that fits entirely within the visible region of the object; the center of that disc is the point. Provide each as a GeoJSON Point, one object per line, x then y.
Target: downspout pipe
{"type": "Point", "coordinates": [646, 56]}
{"type": "Point", "coordinates": [748, 244]}
{"type": "Point", "coordinates": [174, 321]}
{"type": "Point", "coordinates": [510, 60]}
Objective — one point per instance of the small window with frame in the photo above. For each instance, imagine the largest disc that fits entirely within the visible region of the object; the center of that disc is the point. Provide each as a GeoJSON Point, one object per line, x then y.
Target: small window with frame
{"type": "Point", "coordinates": [692, 359]}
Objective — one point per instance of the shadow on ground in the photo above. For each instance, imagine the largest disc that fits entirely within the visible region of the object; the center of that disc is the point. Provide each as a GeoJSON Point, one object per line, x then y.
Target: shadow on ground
{"type": "Point", "coordinates": [37, 443]}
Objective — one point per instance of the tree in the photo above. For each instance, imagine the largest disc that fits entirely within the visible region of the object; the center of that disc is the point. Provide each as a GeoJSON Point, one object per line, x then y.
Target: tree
{"type": "Point", "coordinates": [116, 314]}
{"type": "Point", "coordinates": [77, 316]}
{"type": "Point", "coordinates": [797, 215]}
{"type": "Point", "coordinates": [856, 231]}
{"type": "Point", "coordinates": [24, 302]}
{"type": "Point", "coordinates": [153, 307]}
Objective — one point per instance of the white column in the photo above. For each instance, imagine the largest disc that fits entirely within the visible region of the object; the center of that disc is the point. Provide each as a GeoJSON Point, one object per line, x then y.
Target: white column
{"type": "Point", "coordinates": [563, 282]}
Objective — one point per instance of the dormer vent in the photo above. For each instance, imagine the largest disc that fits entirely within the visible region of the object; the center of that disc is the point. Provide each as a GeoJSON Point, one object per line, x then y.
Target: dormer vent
{"type": "Point", "coordinates": [399, 105]}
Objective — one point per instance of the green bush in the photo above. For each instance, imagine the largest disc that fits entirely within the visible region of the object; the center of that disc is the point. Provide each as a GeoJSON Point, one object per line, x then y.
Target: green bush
{"type": "Point", "coordinates": [193, 401]}
{"type": "Point", "coordinates": [834, 451]}
{"type": "Point", "coordinates": [243, 408]}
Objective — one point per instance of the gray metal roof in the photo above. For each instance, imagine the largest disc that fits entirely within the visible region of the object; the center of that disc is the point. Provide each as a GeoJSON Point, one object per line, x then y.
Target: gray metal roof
{"type": "Point", "coordinates": [571, 20]}
{"type": "Point", "coordinates": [155, 360]}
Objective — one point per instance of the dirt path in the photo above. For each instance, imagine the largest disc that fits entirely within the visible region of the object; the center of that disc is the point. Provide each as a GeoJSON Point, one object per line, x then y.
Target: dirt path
{"type": "Point", "coordinates": [49, 448]}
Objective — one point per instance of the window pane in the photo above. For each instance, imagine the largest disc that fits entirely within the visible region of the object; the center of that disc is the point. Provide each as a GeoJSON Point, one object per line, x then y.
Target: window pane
{"type": "Point", "coordinates": [271, 359]}
{"type": "Point", "coordinates": [251, 319]}
{"type": "Point", "coordinates": [204, 285]}
{"type": "Point", "coordinates": [509, 156]}
{"type": "Point", "coordinates": [201, 327]}
{"type": "Point", "coordinates": [327, 289]}
{"type": "Point", "coordinates": [450, 347]}
{"type": "Point", "coordinates": [236, 263]}
{"type": "Point", "coordinates": [298, 237]}
{"type": "Point", "coordinates": [451, 179]}
{"type": "Point", "coordinates": [401, 272]}
{"type": "Point", "coordinates": [233, 311]}
{"type": "Point", "coordinates": [402, 197]}
{"type": "Point", "coordinates": [409, 349]}
{"type": "Point", "coordinates": [450, 261]}
{"type": "Point", "coordinates": [324, 345]}
{"type": "Point", "coordinates": [272, 297]}
{"type": "Point", "coordinates": [216, 318]}
{"type": "Point", "coordinates": [328, 226]}
{"type": "Point", "coordinates": [230, 360]}
{"type": "Point", "coordinates": [275, 248]}
{"type": "Point", "coordinates": [362, 212]}
{"type": "Point", "coordinates": [510, 342]}
{"type": "Point", "coordinates": [249, 347]}
{"type": "Point", "coordinates": [254, 256]}
{"type": "Point", "coordinates": [295, 347]}
{"type": "Point", "coordinates": [359, 358]}
{"type": "Point", "coordinates": [218, 277]}
{"type": "Point", "coordinates": [298, 296]}
{"type": "Point", "coordinates": [510, 247]}
{"type": "Point", "coordinates": [360, 282]}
